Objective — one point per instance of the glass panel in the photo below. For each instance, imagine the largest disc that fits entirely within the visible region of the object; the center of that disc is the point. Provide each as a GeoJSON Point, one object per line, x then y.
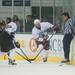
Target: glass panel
{"type": "Point", "coordinates": [50, 9]}
{"type": "Point", "coordinates": [47, 13]}
{"type": "Point", "coordinates": [6, 2]}
{"type": "Point", "coordinates": [35, 12]}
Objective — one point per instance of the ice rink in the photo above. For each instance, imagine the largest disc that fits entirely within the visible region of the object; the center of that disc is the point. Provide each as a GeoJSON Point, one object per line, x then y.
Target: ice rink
{"type": "Point", "coordinates": [25, 68]}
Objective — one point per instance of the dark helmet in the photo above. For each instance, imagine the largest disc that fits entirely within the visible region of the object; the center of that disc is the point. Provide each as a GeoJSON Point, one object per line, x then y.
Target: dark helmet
{"type": "Point", "coordinates": [2, 23]}
{"type": "Point", "coordinates": [8, 20]}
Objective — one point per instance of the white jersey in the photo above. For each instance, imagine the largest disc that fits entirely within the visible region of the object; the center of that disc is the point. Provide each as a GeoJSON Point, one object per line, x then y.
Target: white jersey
{"type": "Point", "coordinates": [36, 32]}
{"type": "Point", "coordinates": [44, 26]}
{"type": "Point", "coordinates": [11, 27]}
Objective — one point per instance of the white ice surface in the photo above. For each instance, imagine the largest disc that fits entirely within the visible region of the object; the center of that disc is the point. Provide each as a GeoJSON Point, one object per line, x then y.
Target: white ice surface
{"type": "Point", "coordinates": [25, 68]}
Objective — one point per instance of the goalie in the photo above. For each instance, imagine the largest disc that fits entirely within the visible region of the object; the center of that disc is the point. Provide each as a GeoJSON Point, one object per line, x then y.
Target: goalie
{"type": "Point", "coordinates": [41, 38]}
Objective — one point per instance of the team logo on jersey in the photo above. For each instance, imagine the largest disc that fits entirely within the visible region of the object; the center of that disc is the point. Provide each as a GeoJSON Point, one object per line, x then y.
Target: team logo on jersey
{"type": "Point", "coordinates": [33, 45]}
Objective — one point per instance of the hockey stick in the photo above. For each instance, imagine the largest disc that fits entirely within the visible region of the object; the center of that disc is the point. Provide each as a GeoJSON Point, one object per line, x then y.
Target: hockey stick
{"type": "Point", "coordinates": [52, 35]}
{"type": "Point", "coordinates": [41, 50]}
{"type": "Point", "coordinates": [26, 58]}
{"type": "Point", "coordinates": [24, 53]}
{"type": "Point", "coordinates": [16, 44]}
{"type": "Point", "coordinates": [23, 57]}
{"type": "Point", "coordinates": [36, 55]}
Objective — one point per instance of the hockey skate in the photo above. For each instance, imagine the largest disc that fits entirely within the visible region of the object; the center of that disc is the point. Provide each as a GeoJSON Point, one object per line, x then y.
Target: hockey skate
{"type": "Point", "coordinates": [11, 62]}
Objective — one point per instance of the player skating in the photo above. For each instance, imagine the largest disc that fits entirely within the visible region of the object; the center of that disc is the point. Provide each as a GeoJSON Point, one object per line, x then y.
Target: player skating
{"type": "Point", "coordinates": [41, 38]}
{"type": "Point", "coordinates": [7, 33]}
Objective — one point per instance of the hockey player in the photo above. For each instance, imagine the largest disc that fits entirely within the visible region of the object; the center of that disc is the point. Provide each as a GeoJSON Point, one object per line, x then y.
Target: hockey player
{"type": "Point", "coordinates": [11, 29]}
{"type": "Point", "coordinates": [41, 40]}
{"type": "Point", "coordinates": [7, 33]}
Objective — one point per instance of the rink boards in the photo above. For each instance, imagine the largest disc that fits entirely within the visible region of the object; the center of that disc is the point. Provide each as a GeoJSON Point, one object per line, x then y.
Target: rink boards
{"type": "Point", "coordinates": [55, 52]}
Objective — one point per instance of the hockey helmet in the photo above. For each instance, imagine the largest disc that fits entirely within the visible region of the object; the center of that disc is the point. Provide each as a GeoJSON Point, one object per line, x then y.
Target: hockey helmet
{"type": "Point", "coordinates": [36, 22]}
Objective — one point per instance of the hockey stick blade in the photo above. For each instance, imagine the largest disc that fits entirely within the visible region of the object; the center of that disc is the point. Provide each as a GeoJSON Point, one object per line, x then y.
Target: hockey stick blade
{"type": "Point", "coordinates": [23, 57]}
{"type": "Point", "coordinates": [36, 56]}
{"type": "Point", "coordinates": [28, 58]}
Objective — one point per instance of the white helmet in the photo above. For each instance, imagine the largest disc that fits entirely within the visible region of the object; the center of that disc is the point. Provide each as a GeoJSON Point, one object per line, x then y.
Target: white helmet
{"type": "Point", "coordinates": [36, 22]}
